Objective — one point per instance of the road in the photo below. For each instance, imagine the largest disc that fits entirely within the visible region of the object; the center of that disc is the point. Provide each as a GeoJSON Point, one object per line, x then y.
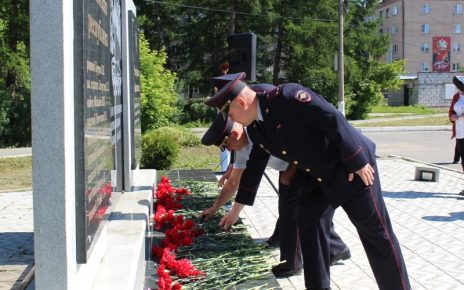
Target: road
{"type": "Point", "coordinates": [429, 146]}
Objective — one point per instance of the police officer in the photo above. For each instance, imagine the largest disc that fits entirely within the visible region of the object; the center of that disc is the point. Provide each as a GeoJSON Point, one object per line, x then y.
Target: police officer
{"type": "Point", "coordinates": [297, 125]}
{"type": "Point", "coordinates": [290, 251]}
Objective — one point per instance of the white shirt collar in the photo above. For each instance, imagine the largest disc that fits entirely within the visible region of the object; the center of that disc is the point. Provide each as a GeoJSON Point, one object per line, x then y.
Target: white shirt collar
{"type": "Point", "coordinates": [248, 136]}
{"type": "Point", "coordinates": [260, 115]}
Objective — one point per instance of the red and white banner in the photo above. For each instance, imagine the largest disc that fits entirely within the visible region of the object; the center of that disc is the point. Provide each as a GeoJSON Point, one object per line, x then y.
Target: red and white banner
{"type": "Point", "coordinates": [441, 53]}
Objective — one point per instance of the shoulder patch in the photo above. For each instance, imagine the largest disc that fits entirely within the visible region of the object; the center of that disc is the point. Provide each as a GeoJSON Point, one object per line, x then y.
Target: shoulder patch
{"type": "Point", "coordinates": [302, 96]}
{"type": "Point", "coordinates": [274, 93]}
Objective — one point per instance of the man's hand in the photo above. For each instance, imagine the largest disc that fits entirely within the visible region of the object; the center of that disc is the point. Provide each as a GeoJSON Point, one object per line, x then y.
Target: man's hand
{"type": "Point", "coordinates": [225, 176]}
{"type": "Point", "coordinates": [228, 220]}
{"type": "Point", "coordinates": [287, 176]}
{"type": "Point", "coordinates": [231, 218]}
{"type": "Point", "coordinates": [453, 118]}
{"type": "Point", "coordinates": [366, 173]}
{"type": "Point", "coordinates": [207, 213]}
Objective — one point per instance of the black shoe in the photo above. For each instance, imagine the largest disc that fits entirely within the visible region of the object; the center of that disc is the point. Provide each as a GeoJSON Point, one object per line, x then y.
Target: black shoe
{"type": "Point", "coordinates": [455, 161]}
{"type": "Point", "coordinates": [319, 288]}
{"type": "Point", "coordinates": [282, 271]}
{"type": "Point", "coordinates": [345, 255]}
{"type": "Point", "coordinates": [273, 241]}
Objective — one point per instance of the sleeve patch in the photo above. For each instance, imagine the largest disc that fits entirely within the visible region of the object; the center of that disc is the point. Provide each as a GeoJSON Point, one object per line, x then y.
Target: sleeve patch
{"type": "Point", "coordinates": [302, 96]}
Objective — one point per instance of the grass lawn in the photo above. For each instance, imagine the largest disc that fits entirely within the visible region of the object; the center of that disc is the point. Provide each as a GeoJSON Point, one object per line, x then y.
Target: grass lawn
{"type": "Point", "coordinates": [201, 157]}
{"type": "Point", "coordinates": [15, 173]}
{"type": "Point", "coordinates": [407, 110]}
{"type": "Point", "coordinates": [428, 121]}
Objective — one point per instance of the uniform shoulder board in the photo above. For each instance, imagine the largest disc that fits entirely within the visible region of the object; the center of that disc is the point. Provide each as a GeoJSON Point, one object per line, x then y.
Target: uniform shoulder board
{"type": "Point", "coordinates": [302, 96]}
{"type": "Point", "coordinates": [274, 93]}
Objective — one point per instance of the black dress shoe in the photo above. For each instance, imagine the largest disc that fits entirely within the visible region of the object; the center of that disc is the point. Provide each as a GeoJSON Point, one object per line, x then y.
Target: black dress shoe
{"type": "Point", "coordinates": [345, 255]}
{"type": "Point", "coordinates": [282, 271]}
{"type": "Point", "coordinates": [273, 241]}
{"type": "Point", "coordinates": [455, 161]}
{"type": "Point", "coordinates": [319, 288]}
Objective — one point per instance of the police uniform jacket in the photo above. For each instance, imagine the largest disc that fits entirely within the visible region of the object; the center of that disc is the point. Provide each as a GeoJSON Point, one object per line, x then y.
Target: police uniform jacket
{"type": "Point", "coordinates": [302, 128]}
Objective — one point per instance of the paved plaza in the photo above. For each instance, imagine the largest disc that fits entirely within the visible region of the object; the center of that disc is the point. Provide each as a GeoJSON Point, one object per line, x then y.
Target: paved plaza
{"type": "Point", "coordinates": [428, 218]}
{"type": "Point", "coordinates": [16, 239]}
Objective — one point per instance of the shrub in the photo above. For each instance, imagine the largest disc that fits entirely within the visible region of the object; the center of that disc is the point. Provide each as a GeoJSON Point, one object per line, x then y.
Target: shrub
{"type": "Point", "coordinates": [158, 88]}
{"type": "Point", "coordinates": [159, 150]}
{"type": "Point", "coordinates": [181, 135]}
{"type": "Point", "coordinates": [195, 110]}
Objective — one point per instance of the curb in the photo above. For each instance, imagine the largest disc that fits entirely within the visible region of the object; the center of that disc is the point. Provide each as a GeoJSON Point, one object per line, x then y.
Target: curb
{"type": "Point", "coordinates": [403, 128]}
{"type": "Point", "coordinates": [419, 161]}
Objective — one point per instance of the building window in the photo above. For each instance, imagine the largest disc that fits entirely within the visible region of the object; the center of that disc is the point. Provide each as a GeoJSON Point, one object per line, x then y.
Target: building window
{"type": "Point", "coordinates": [425, 47]}
{"type": "Point", "coordinates": [424, 66]}
{"type": "Point", "coordinates": [457, 28]}
{"type": "Point", "coordinates": [381, 14]}
{"type": "Point", "coordinates": [426, 8]}
{"type": "Point", "coordinates": [457, 9]}
{"type": "Point", "coordinates": [381, 30]}
{"type": "Point", "coordinates": [425, 28]}
{"type": "Point", "coordinates": [395, 10]}
{"type": "Point", "coordinates": [387, 13]}
{"type": "Point", "coordinates": [456, 47]}
{"type": "Point", "coordinates": [395, 48]}
{"type": "Point", "coordinates": [455, 66]}
{"type": "Point", "coordinates": [394, 29]}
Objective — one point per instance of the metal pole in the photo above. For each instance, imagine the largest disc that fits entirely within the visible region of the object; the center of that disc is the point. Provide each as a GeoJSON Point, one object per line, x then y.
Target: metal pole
{"type": "Point", "coordinates": [341, 69]}
{"type": "Point", "coordinates": [271, 183]}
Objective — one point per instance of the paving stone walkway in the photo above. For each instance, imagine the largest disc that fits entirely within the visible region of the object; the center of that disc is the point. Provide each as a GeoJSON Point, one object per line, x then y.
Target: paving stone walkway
{"type": "Point", "coordinates": [16, 238]}
{"type": "Point", "coordinates": [428, 219]}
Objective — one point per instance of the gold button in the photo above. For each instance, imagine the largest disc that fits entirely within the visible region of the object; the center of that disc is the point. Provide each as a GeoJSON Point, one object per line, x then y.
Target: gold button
{"type": "Point", "coordinates": [295, 162]}
{"type": "Point", "coordinates": [261, 145]}
{"type": "Point", "coordinates": [284, 152]}
{"type": "Point", "coordinates": [254, 125]}
{"type": "Point", "coordinates": [267, 111]}
{"type": "Point", "coordinates": [319, 179]}
{"type": "Point", "coordinates": [278, 126]}
{"type": "Point", "coordinates": [308, 170]}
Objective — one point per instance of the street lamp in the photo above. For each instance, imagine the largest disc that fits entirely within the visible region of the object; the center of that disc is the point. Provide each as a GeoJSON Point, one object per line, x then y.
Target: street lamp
{"type": "Point", "coordinates": [341, 69]}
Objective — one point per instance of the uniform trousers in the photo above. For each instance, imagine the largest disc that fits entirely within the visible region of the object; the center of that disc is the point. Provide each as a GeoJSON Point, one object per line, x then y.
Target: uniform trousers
{"type": "Point", "coordinates": [367, 211]}
{"type": "Point", "coordinates": [460, 145]}
{"type": "Point", "coordinates": [289, 204]}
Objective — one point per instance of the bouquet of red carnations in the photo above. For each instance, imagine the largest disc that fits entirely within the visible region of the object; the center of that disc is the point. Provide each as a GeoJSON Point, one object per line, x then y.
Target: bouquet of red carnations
{"type": "Point", "coordinates": [199, 255]}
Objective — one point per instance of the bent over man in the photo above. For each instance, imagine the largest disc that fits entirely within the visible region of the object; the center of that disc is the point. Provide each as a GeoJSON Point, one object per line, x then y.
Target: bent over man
{"type": "Point", "coordinates": [297, 125]}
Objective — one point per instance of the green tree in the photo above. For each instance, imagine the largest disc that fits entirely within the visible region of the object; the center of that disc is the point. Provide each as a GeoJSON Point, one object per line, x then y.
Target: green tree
{"type": "Point", "coordinates": [158, 95]}
{"type": "Point", "coordinates": [196, 39]}
{"type": "Point", "coordinates": [297, 42]}
{"type": "Point", "coordinates": [15, 120]}
{"type": "Point", "coordinates": [313, 44]}
{"type": "Point", "coordinates": [365, 76]}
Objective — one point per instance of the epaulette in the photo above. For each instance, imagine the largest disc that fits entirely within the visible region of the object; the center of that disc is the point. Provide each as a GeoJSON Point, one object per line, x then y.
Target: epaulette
{"type": "Point", "coordinates": [274, 93]}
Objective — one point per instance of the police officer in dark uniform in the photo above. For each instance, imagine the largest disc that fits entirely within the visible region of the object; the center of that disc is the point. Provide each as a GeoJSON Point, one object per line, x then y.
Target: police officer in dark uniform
{"type": "Point", "coordinates": [289, 200]}
{"type": "Point", "coordinates": [297, 125]}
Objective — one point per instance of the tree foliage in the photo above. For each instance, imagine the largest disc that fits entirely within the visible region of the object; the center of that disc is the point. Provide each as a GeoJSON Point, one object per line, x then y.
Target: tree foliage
{"type": "Point", "coordinates": [15, 90]}
{"type": "Point", "coordinates": [297, 42]}
{"type": "Point", "coordinates": [158, 95]}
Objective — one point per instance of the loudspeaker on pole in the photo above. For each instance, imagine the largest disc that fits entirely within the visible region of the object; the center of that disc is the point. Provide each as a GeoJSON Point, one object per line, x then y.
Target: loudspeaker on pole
{"type": "Point", "coordinates": [242, 54]}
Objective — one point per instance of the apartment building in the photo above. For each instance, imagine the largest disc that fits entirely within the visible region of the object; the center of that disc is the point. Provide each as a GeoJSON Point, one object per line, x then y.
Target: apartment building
{"type": "Point", "coordinates": [429, 36]}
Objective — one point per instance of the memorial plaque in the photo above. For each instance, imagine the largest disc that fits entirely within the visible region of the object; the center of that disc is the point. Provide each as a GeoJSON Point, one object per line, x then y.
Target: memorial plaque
{"type": "Point", "coordinates": [101, 92]}
{"type": "Point", "coordinates": [134, 78]}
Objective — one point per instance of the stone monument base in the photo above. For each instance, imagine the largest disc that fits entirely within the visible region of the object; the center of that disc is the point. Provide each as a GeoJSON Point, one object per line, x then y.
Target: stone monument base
{"type": "Point", "coordinates": [120, 264]}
